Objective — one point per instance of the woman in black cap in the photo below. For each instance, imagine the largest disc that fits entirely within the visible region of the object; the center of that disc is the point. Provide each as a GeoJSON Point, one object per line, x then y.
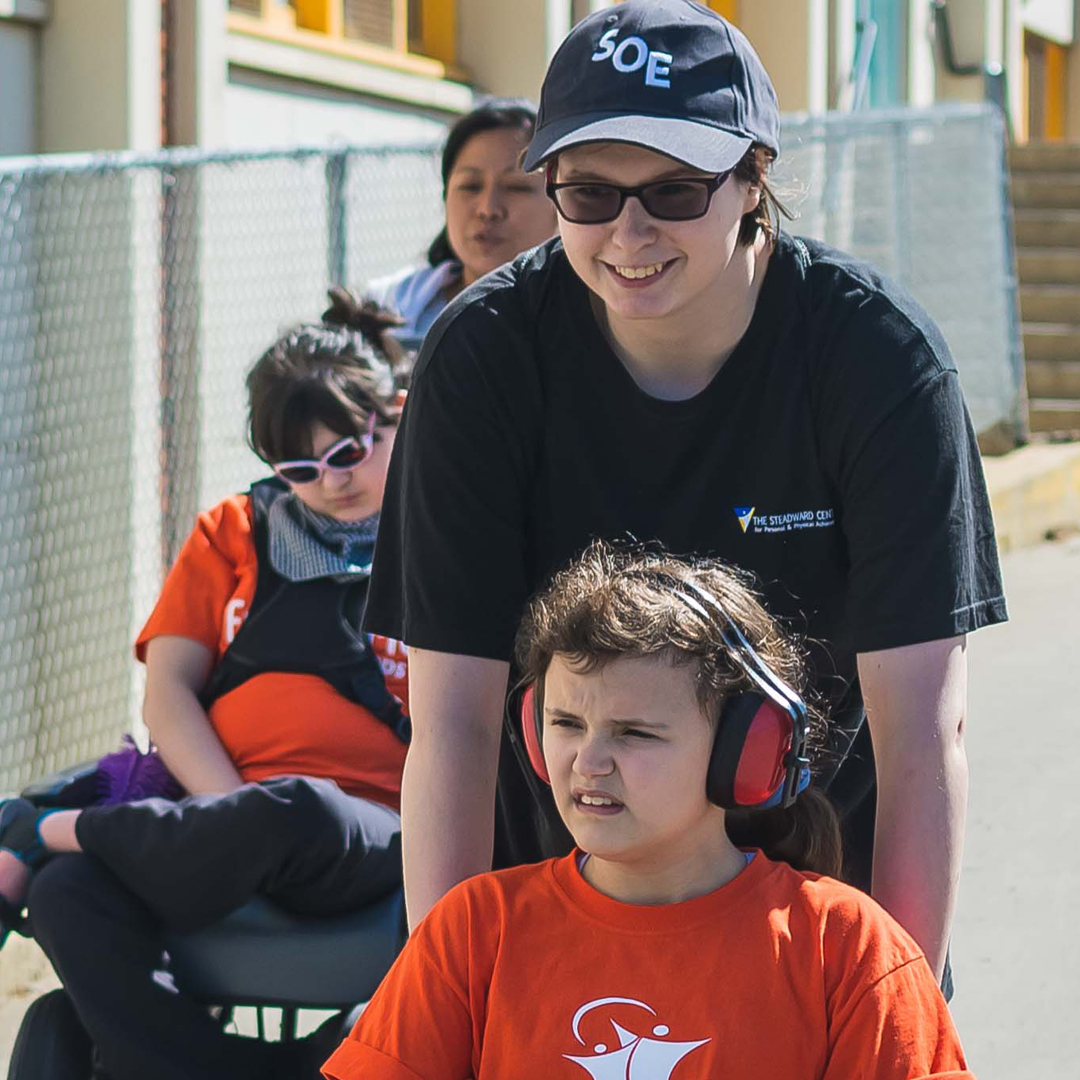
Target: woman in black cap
{"type": "Point", "coordinates": [676, 369]}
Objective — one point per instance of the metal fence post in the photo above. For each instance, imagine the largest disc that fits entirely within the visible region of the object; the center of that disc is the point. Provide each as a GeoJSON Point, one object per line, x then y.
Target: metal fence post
{"type": "Point", "coordinates": [999, 124]}
{"type": "Point", "coordinates": [180, 368]}
{"type": "Point", "coordinates": [337, 221]}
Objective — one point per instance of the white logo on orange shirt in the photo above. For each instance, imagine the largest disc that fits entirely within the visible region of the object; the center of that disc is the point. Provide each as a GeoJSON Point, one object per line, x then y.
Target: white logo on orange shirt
{"type": "Point", "coordinates": [234, 618]}
{"type": "Point", "coordinates": [637, 1057]}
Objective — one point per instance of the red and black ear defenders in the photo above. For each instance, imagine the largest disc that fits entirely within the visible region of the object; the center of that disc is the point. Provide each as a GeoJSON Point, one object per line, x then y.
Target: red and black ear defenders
{"type": "Point", "coordinates": [759, 752]}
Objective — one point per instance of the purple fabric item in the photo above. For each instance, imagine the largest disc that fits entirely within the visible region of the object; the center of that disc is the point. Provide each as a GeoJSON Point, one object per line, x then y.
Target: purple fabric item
{"type": "Point", "coordinates": [129, 775]}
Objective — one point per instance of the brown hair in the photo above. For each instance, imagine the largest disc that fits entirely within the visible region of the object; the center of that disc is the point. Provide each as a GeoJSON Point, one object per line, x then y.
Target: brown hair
{"type": "Point", "coordinates": [338, 371]}
{"type": "Point", "coordinates": [616, 602]}
{"type": "Point", "coordinates": [765, 217]}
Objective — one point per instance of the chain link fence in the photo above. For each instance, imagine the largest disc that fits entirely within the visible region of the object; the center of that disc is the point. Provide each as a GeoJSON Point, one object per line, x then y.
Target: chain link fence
{"type": "Point", "coordinates": [135, 291]}
{"type": "Point", "coordinates": [923, 195]}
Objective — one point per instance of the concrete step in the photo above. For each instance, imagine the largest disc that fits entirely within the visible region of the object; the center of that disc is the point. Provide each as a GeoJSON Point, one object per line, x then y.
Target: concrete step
{"type": "Point", "coordinates": [1045, 190]}
{"type": "Point", "coordinates": [1053, 414]}
{"type": "Point", "coordinates": [1033, 491]}
{"type": "Point", "coordinates": [1047, 228]}
{"type": "Point", "coordinates": [1050, 303]}
{"type": "Point", "coordinates": [1059, 379]}
{"type": "Point", "coordinates": [1044, 157]}
{"type": "Point", "coordinates": [1050, 266]}
{"type": "Point", "coordinates": [1051, 341]}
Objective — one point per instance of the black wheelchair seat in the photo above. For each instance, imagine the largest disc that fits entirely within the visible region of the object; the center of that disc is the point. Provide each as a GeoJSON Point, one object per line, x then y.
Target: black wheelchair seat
{"type": "Point", "coordinates": [261, 955]}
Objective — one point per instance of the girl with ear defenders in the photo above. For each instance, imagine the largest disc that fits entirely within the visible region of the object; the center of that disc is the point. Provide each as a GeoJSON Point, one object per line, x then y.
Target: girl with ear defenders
{"type": "Point", "coordinates": [664, 710]}
{"type": "Point", "coordinates": [675, 368]}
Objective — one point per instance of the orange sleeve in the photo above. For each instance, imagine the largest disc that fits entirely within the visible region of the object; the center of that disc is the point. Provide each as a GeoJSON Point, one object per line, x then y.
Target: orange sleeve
{"type": "Point", "coordinates": [887, 1018]}
{"type": "Point", "coordinates": [355, 1059]}
{"type": "Point", "coordinates": [420, 1023]}
{"type": "Point", "coordinates": [204, 577]}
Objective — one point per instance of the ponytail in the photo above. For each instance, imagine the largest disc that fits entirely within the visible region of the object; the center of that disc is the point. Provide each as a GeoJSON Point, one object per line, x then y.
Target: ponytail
{"type": "Point", "coordinates": [373, 322]}
{"type": "Point", "coordinates": [806, 835]}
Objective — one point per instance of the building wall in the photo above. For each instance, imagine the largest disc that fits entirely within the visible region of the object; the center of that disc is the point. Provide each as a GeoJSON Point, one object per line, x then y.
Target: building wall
{"type": "Point", "coordinates": [100, 76]}
{"type": "Point", "coordinates": [792, 39]}
{"type": "Point", "coordinates": [88, 76]}
{"type": "Point", "coordinates": [260, 109]}
{"type": "Point", "coordinates": [504, 45]}
{"type": "Point", "coordinates": [18, 87]}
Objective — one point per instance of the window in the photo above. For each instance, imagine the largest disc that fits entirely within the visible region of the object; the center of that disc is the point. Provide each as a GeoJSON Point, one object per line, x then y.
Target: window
{"type": "Point", "coordinates": [378, 22]}
{"type": "Point", "coordinates": [417, 27]}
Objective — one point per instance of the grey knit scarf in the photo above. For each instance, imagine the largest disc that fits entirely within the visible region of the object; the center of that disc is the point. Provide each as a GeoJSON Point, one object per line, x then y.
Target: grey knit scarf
{"type": "Point", "coordinates": [305, 545]}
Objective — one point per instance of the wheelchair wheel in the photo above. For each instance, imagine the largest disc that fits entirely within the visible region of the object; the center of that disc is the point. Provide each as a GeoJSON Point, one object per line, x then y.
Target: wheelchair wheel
{"type": "Point", "coordinates": [51, 1044]}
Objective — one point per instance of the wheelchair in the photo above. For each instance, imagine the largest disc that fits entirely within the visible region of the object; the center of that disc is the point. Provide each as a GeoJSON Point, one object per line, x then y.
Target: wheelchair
{"type": "Point", "coordinates": [259, 956]}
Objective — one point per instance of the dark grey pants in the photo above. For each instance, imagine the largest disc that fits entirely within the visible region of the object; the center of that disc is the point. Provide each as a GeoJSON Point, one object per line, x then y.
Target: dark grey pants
{"type": "Point", "coordinates": [147, 866]}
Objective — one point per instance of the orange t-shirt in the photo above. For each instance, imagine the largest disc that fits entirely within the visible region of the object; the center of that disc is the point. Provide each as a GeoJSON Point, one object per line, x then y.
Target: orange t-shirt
{"type": "Point", "coordinates": [531, 974]}
{"type": "Point", "coordinates": [276, 723]}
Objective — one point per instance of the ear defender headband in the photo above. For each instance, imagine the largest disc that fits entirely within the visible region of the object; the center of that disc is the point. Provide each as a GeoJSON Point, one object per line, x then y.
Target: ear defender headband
{"type": "Point", "coordinates": [758, 758]}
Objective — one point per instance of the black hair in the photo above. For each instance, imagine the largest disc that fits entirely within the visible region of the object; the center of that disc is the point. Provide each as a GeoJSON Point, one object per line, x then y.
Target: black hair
{"type": "Point", "coordinates": [517, 114]}
{"type": "Point", "coordinates": [338, 372]}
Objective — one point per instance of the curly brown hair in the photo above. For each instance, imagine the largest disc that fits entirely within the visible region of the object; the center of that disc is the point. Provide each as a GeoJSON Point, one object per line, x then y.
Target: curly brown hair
{"type": "Point", "coordinates": [617, 602]}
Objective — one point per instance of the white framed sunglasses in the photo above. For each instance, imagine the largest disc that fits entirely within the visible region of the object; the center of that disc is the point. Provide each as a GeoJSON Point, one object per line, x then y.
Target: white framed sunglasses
{"type": "Point", "coordinates": [344, 455]}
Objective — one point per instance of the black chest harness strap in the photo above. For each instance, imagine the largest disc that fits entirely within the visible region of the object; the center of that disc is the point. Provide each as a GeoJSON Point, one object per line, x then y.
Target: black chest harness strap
{"type": "Point", "coordinates": [304, 627]}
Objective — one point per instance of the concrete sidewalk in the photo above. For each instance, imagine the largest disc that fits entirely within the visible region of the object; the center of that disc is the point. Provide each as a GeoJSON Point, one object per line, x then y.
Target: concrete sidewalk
{"type": "Point", "coordinates": [1034, 493]}
{"type": "Point", "coordinates": [25, 974]}
{"type": "Point", "coordinates": [1016, 949]}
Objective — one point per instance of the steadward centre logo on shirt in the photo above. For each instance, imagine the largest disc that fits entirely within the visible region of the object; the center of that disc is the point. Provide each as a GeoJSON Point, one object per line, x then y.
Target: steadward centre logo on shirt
{"type": "Point", "coordinates": [752, 520]}
{"type": "Point", "coordinates": [637, 1056]}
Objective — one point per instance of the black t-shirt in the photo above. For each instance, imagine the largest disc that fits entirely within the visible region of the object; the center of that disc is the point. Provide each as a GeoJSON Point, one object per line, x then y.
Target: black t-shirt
{"type": "Point", "coordinates": [832, 455]}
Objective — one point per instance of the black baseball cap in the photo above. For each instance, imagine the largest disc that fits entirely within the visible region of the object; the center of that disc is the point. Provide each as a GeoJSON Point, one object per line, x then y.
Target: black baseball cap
{"type": "Point", "coordinates": [669, 75]}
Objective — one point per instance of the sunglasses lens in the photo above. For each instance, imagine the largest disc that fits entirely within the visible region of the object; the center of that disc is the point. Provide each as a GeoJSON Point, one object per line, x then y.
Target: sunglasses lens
{"type": "Point", "coordinates": [678, 200]}
{"type": "Point", "coordinates": [588, 203]}
{"type": "Point", "coordinates": [349, 455]}
{"type": "Point", "coordinates": [299, 474]}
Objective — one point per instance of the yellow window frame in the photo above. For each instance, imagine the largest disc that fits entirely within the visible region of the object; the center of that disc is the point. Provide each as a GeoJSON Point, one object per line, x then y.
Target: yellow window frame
{"type": "Point", "coordinates": [728, 8]}
{"type": "Point", "coordinates": [437, 32]}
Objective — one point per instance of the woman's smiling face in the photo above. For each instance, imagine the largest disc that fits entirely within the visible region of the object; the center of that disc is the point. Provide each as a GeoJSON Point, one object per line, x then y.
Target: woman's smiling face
{"type": "Point", "coordinates": [683, 262]}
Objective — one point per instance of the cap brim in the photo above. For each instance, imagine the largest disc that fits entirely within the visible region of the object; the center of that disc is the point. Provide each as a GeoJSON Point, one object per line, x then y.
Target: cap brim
{"type": "Point", "coordinates": [710, 149]}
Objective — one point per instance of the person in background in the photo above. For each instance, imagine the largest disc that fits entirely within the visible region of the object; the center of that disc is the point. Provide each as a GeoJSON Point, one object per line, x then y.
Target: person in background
{"type": "Point", "coordinates": [284, 725]}
{"type": "Point", "coordinates": [677, 367]}
{"type": "Point", "coordinates": [697, 930]}
{"type": "Point", "coordinates": [494, 211]}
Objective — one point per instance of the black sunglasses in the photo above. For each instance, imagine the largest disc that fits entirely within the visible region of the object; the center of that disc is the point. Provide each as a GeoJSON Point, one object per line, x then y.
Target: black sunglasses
{"type": "Point", "coordinates": [591, 202]}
